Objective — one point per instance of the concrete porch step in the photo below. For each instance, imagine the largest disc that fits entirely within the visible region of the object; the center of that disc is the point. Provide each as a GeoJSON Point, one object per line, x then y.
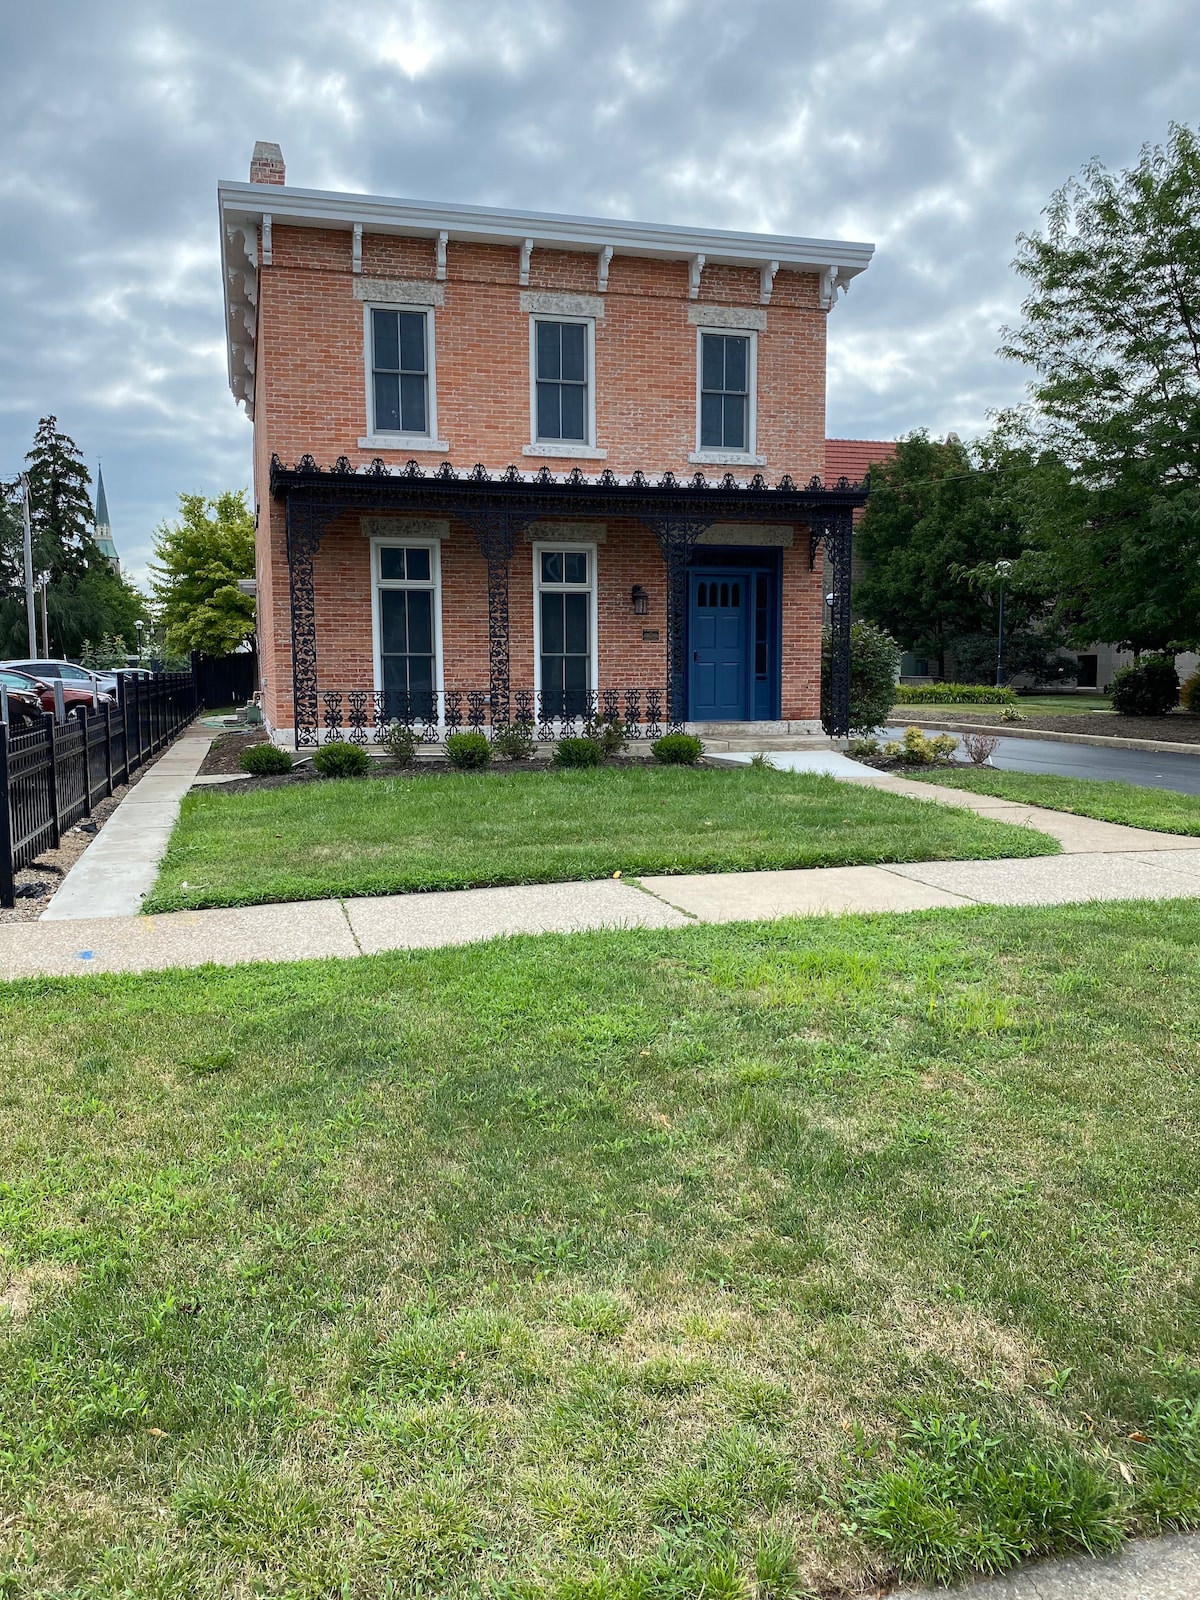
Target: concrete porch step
{"type": "Point", "coordinates": [755, 730]}
{"type": "Point", "coordinates": [777, 742]}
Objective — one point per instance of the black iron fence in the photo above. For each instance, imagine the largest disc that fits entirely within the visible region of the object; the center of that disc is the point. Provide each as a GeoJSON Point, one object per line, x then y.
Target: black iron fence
{"type": "Point", "coordinates": [363, 716]}
{"type": "Point", "coordinates": [53, 774]}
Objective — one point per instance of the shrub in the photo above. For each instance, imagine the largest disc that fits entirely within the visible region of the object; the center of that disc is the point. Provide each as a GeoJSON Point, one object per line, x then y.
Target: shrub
{"type": "Point", "coordinates": [1149, 689]}
{"type": "Point", "coordinates": [874, 662]}
{"type": "Point", "coordinates": [515, 741]}
{"type": "Point", "coordinates": [578, 753]}
{"type": "Point", "coordinates": [953, 694]}
{"type": "Point", "coordinates": [264, 760]}
{"type": "Point", "coordinates": [339, 759]}
{"type": "Point", "coordinates": [1189, 694]}
{"type": "Point", "coordinates": [677, 749]}
{"type": "Point", "coordinates": [1010, 714]}
{"type": "Point", "coordinates": [863, 747]}
{"type": "Point", "coordinates": [979, 746]}
{"type": "Point", "coordinates": [919, 751]}
{"type": "Point", "coordinates": [609, 734]}
{"type": "Point", "coordinates": [400, 742]}
{"type": "Point", "coordinates": [468, 752]}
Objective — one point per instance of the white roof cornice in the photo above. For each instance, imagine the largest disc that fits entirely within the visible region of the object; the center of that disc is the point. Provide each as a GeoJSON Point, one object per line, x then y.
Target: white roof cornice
{"type": "Point", "coordinates": [244, 207]}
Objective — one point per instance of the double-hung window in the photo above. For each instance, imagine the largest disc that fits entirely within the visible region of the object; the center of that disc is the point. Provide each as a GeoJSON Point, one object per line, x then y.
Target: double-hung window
{"type": "Point", "coordinates": [406, 585]}
{"type": "Point", "coordinates": [565, 585]}
{"type": "Point", "coordinates": [562, 402]}
{"type": "Point", "coordinates": [726, 386]}
{"type": "Point", "coordinates": [401, 372]}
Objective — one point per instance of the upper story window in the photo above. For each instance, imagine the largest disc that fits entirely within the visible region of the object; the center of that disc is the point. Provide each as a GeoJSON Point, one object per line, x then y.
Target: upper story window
{"type": "Point", "coordinates": [725, 392]}
{"type": "Point", "coordinates": [562, 385]}
{"type": "Point", "coordinates": [400, 371]}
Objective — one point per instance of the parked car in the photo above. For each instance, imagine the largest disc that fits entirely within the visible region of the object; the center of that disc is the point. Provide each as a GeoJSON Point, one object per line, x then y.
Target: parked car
{"type": "Point", "coordinates": [72, 674]}
{"type": "Point", "coordinates": [73, 693]}
{"type": "Point", "coordinates": [24, 700]}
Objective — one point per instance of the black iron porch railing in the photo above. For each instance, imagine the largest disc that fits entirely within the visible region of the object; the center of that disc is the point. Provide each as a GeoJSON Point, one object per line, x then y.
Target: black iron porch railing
{"type": "Point", "coordinates": [363, 716]}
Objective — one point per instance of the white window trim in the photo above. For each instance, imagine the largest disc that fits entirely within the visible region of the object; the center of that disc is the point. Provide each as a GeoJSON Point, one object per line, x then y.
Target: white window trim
{"type": "Point", "coordinates": [374, 439]}
{"type": "Point", "coordinates": [729, 458]}
{"type": "Point", "coordinates": [565, 588]}
{"type": "Point", "coordinates": [434, 546]}
{"type": "Point", "coordinates": [566, 448]}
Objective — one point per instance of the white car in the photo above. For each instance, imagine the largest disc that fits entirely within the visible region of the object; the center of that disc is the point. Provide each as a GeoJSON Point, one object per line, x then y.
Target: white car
{"type": "Point", "coordinates": [73, 676]}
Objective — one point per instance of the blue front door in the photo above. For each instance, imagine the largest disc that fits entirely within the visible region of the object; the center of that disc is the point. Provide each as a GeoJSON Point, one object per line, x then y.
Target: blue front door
{"type": "Point", "coordinates": [718, 638]}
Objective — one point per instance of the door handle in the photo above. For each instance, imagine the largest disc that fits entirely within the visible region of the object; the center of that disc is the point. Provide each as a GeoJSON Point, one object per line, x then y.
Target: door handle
{"type": "Point", "coordinates": [695, 655]}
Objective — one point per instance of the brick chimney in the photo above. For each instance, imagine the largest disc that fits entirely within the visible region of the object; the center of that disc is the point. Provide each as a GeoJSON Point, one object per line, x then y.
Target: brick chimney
{"type": "Point", "coordinates": [266, 164]}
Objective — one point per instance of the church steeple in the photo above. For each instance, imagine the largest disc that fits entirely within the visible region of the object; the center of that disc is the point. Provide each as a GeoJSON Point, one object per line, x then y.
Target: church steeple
{"type": "Point", "coordinates": [103, 534]}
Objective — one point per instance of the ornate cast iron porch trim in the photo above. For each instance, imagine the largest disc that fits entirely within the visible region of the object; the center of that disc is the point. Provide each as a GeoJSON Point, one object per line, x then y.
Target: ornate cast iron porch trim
{"type": "Point", "coordinates": [497, 507]}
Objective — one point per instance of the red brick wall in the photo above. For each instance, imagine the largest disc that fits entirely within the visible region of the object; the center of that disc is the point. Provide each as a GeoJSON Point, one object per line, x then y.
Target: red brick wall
{"type": "Point", "coordinates": [310, 397]}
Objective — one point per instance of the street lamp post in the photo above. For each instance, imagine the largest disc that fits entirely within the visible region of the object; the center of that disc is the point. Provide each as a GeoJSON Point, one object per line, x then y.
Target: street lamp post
{"type": "Point", "coordinates": [1003, 568]}
{"type": "Point", "coordinates": [139, 625]}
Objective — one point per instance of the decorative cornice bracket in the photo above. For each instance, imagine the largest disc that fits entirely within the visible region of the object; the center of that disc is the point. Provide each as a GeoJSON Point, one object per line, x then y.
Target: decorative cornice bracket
{"type": "Point", "coordinates": [266, 239]}
{"type": "Point", "coordinates": [523, 263]}
{"type": "Point", "coordinates": [439, 271]}
{"type": "Point", "coordinates": [603, 261]}
{"type": "Point", "coordinates": [695, 268]}
{"type": "Point", "coordinates": [830, 285]}
{"type": "Point", "coordinates": [766, 281]}
{"type": "Point", "coordinates": [356, 248]}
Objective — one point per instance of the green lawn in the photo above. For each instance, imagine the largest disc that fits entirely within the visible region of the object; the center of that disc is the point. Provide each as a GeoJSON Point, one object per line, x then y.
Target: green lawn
{"type": "Point", "coordinates": [1163, 810]}
{"type": "Point", "coordinates": [1028, 705]}
{"type": "Point", "coordinates": [384, 835]}
{"type": "Point", "coordinates": [727, 1262]}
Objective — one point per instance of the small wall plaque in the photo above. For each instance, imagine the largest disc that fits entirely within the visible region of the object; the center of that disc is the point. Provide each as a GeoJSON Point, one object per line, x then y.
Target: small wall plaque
{"type": "Point", "coordinates": [650, 635]}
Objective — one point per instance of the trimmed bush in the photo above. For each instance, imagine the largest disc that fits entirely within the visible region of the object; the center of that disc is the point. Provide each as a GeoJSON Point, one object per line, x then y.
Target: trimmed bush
{"type": "Point", "coordinates": [400, 742]}
{"type": "Point", "coordinates": [264, 761]}
{"type": "Point", "coordinates": [874, 662]}
{"type": "Point", "coordinates": [677, 750]}
{"type": "Point", "coordinates": [469, 752]}
{"type": "Point", "coordinates": [340, 759]}
{"type": "Point", "coordinates": [1149, 689]}
{"type": "Point", "coordinates": [515, 741]}
{"type": "Point", "coordinates": [953, 694]}
{"type": "Point", "coordinates": [1189, 694]}
{"type": "Point", "coordinates": [583, 752]}
{"type": "Point", "coordinates": [919, 751]}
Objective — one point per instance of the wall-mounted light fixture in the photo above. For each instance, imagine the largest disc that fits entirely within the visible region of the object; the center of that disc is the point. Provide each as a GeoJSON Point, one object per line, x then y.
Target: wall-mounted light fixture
{"type": "Point", "coordinates": [641, 601]}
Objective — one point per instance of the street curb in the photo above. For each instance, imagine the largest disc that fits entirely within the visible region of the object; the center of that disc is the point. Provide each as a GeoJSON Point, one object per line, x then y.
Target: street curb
{"type": "Point", "coordinates": [1008, 730]}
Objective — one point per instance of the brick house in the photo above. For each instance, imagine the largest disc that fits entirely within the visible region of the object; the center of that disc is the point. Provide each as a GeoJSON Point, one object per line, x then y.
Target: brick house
{"type": "Point", "coordinates": [513, 465]}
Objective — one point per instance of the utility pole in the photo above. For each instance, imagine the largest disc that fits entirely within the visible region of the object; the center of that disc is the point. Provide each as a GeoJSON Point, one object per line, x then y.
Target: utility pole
{"type": "Point", "coordinates": [1003, 568]}
{"type": "Point", "coordinates": [30, 612]}
{"type": "Point", "coordinates": [45, 625]}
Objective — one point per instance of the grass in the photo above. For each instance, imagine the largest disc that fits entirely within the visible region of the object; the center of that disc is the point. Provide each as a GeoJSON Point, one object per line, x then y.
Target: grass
{"type": "Point", "coordinates": [1040, 705]}
{"type": "Point", "coordinates": [1162, 810]}
{"type": "Point", "coordinates": [381, 836]}
{"type": "Point", "coordinates": [722, 1262]}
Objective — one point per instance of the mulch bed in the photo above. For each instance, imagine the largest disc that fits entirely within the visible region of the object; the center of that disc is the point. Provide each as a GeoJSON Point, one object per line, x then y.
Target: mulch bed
{"type": "Point", "coordinates": [1179, 727]}
{"type": "Point", "coordinates": [225, 751]}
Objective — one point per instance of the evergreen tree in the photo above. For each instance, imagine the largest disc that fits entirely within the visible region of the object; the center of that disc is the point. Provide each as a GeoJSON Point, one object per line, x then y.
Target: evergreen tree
{"type": "Point", "coordinates": [1111, 332]}
{"type": "Point", "coordinates": [60, 506]}
{"type": "Point", "coordinates": [199, 559]}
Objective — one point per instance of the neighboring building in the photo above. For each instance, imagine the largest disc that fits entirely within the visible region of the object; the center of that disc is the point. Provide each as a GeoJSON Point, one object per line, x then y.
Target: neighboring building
{"type": "Point", "coordinates": [103, 527]}
{"type": "Point", "coordinates": [513, 464]}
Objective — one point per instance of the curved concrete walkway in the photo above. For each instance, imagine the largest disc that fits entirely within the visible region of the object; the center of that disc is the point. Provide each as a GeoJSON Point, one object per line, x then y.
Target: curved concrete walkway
{"type": "Point", "coordinates": [1153, 1569]}
{"type": "Point", "coordinates": [88, 927]}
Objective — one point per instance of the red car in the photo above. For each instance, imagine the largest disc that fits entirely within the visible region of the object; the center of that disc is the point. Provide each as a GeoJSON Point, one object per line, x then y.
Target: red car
{"type": "Point", "coordinates": [24, 692]}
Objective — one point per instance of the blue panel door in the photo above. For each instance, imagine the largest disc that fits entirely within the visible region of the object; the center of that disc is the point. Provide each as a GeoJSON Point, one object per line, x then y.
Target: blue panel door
{"type": "Point", "coordinates": [719, 677]}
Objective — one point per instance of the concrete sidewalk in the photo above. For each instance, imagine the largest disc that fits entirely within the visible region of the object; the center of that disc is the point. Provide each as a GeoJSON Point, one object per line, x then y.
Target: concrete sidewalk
{"type": "Point", "coordinates": [1152, 1569]}
{"type": "Point", "coordinates": [119, 867]}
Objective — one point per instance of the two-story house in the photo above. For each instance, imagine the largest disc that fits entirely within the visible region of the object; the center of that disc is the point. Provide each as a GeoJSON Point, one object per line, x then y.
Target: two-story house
{"type": "Point", "coordinates": [513, 465]}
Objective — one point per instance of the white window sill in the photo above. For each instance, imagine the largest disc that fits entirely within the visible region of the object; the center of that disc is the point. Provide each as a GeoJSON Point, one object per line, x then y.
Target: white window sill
{"type": "Point", "coordinates": [403, 441]}
{"type": "Point", "coordinates": [726, 458]}
{"type": "Point", "coordinates": [572, 452]}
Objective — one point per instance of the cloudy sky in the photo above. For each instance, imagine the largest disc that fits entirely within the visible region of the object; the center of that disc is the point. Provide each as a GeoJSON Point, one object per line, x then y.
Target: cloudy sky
{"type": "Point", "coordinates": [935, 128]}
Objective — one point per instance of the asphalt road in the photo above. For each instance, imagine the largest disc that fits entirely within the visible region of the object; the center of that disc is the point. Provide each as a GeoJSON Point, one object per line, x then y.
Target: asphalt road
{"type": "Point", "coordinates": [1149, 768]}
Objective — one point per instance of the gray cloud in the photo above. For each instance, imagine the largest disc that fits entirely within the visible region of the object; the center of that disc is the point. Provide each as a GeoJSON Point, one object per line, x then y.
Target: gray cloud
{"type": "Point", "coordinates": [938, 130]}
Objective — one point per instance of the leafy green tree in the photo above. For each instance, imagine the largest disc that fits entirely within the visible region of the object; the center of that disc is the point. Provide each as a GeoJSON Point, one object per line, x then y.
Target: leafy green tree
{"type": "Point", "coordinates": [198, 561]}
{"type": "Point", "coordinates": [1111, 332]}
{"type": "Point", "coordinates": [938, 516]}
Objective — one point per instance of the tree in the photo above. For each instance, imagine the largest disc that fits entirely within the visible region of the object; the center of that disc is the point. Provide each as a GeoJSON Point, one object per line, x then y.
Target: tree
{"type": "Point", "coordinates": [85, 599]}
{"type": "Point", "coordinates": [940, 515]}
{"type": "Point", "coordinates": [1111, 331]}
{"type": "Point", "coordinates": [198, 561]}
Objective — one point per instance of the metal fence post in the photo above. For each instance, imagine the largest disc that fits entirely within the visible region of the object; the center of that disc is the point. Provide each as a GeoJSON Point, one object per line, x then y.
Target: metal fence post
{"type": "Point", "coordinates": [82, 713]}
{"type": "Point", "coordinates": [60, 701]}
{"type": "Point", "coordinates": [48, 727]}
{"type": "Point", "coordinates": [108, 760]}
{"type": "Point", "coordinates": [8, 888]}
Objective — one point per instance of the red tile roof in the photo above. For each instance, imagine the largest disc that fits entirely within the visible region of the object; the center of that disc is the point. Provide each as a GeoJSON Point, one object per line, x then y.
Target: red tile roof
{"type": "Point", "coordinates": [852, 458]}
